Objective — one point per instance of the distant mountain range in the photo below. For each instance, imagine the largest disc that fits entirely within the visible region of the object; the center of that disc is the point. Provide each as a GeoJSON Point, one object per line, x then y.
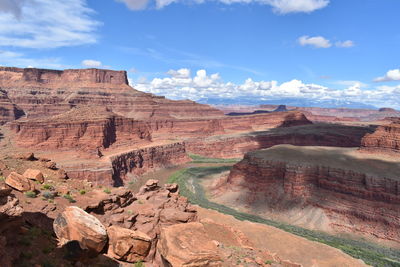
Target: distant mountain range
{"type": "Point", "coordinates": [323, 103]}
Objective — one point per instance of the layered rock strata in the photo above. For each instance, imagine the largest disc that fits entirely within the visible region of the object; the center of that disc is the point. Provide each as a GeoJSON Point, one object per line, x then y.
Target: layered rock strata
{"type": "Point", "coordinates": [386, 139]}
{"type": "Point", "coordinates": [352, 193]}
{"type": "Point", "coordinates": [236, 145]}
{"type": "Point", "coordinates": [85, 128]}
{"type": "Point", "coordinates": [40, 93]}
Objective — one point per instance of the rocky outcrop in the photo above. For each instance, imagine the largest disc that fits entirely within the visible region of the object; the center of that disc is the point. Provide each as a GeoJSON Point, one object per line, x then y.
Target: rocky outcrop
{"type": "Point", "coordinates": [32, 174]}
{"type": "Point", "coordinates": [358, 195]}
{"type": "Point", "coordinates": [142, 160]}
{"type": "Point", "coordinates": [74, 224]}
{"type": "Point", "coordinates": [19, 182]}
{"type": "Point", "coordinates": [386, 139]}
{"type": "Point", "coordinates": [128, 245]}
{"type": "Point", "coordinates": [40, 93]}
{"type": "Point", "coordinates": [236, 145]}
{"type": "Point", "coordinates": [188, 245]}
{"type": "Point", "coordinates": [8, 110]}
{"type": "Point", "coordinates": [85, 128]}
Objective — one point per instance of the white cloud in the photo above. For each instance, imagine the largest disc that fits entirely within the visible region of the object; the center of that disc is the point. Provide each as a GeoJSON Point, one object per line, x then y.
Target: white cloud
{"type": "Point", "coordinates": [135, 4]}
{"type": "Point", "coordinates": [46, 24]}
{"type": "Point", "coordinates": [203, 85]}
{"type": "Point", "coordinates": [296, 6]}
{"type": "Point", "coordinates": [181, 73]}
{"type": "Point", "coordinates": [345, 44]}
{"type": "Point", "coordinates": [317, 41]}
{"type": "Point", "coordinates": [91, 63]}
{"type": "Point", "coordinates": [391, 75]}
{"type": "Point", "coordinates": [279, 6]}
{"type": "Point", "coordinates": [10, 58]}
{"type": "Point", "coordinates": [322, 42]}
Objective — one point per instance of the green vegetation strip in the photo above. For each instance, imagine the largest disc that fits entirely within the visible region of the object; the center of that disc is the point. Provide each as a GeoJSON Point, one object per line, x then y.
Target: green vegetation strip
{"type": "Point", "coordinates": [201, 159]}
{"type": "Point", "coordinates": [188, 180]}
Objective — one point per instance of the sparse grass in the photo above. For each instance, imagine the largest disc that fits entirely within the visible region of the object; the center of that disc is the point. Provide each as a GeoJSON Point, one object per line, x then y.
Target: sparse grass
{"type": "Point", "coordinates": [30, 194]}
{"type": "Point", "coordinates": [139, 264]}
{"type": "Point", "coordinates": [269, 262]}
{"type": "Point", "coordinates": [107, 191]}
{"type": "Point", "coordinates": [2, 178]}
{"type": "Point", "coordinates": [47, 187]}
{"type": "Point", "coordinates": [69, 198]}
{"type": "Point", "coordinates": [47, 195]}
{"type": "Point", "coordinates": [371, 254]}
{"type": "Point", "coordinates": [201, 159]}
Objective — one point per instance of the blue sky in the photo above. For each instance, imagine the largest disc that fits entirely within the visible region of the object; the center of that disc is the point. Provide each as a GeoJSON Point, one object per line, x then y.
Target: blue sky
{"type": "Point", "coordinates": [345, 50]}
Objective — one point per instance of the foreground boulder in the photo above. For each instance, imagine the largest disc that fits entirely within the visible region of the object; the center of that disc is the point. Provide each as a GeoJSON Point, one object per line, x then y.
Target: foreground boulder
{"type": "Point", "coordinates": [34, 175]}
{"type": "Point", "coordinates": [19, 182]}
{"type": "Point", "coordinates": [75, 224]}
{"type": "Point", "coordinates": [188, 244]}
{"type": "Point", "coordinates": [128, 245]}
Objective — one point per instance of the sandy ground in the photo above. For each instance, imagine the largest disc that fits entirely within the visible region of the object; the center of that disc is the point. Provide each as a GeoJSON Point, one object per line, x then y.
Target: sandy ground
{"type": "Point", "coordinates": [286, 245]}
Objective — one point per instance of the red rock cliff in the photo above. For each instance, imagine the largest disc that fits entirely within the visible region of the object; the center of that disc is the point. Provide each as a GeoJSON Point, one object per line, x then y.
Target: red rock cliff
{"type": "Point", "coordinates": [386, 139]}
{"type": "Point", "coordinates": [358, 195]}
{"type": "Point", "coordinates": [236, 145]}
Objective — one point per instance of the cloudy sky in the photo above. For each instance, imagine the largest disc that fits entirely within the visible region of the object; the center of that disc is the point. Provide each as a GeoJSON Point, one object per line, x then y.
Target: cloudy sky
{"type": "Point", "coordinates": [323, 50]}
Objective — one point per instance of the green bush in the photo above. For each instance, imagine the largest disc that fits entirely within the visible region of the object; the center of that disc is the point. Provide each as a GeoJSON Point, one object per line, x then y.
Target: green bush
{"type": "Point", "coordinates": [47, 187]}
{"type": "Point", "coordinates": [69, 198]}
{"type": "Point", "coordinates": [139, 264]}
{"type": "Point", "coordinates": [48, 195]}
{"type": "Point", "coordinates": [107, 190]}
{"type": "Point", "coordinates": [82, 191]}
{"type": "Point", "coordinates": [30, 194]}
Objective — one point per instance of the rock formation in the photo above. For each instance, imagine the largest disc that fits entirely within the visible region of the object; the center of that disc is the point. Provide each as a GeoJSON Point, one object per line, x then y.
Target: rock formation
{"type": "Point", "coordinates": [236, 145]}
{"type": "Point", "coordinates": [355, 193]}
{"type": "Point", "coordinates": [40, 93]}
{"type": "Point", "coordinates": [75, 224]}
{"type": "Point", "coordinates": [386, 139]}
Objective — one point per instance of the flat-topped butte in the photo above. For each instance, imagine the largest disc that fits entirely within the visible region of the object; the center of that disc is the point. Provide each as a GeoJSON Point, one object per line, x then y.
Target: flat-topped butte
{"type": "Point", "coordinates": [332, 157]}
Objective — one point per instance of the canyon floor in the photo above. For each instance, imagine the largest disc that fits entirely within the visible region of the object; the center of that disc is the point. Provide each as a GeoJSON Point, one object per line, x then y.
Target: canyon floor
{"type": "Point", "coordinates": [96, 173]}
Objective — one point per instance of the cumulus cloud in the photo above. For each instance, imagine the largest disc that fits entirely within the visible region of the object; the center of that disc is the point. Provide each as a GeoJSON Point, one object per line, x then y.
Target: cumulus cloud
{"type": "Point", "coordinates": [317, 41]}
{"type": "Point", "coordinates": [46, 24]}
{"type": "Point", "coordinates": [345, 44]}
{"type": "Point", "coordinates": [296, 6]}
{"type": "Point", "coordinates": [279, 6]}
{"type": "Point", "coordinates": [181, 73]}
{"type": "Point", "coordinates": [322, 42]}
{"type": "Point", "coordinates": [205, 86]}
{"type": "Point", "coordinates": [135, 4]}
{"type": "Point", "coordinates": [391, 75]}
{"type": "Point", "coordinates": [90, 63]}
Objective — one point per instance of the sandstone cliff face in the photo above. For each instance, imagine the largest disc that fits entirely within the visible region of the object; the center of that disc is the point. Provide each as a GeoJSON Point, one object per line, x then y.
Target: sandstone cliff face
{"type": "Point", "coordinates": [40, 93]}
{"type": "Point", "coordinates": [386, 139]}
{"type": "Point", "coordinates": [235, 146]}
{"type": "Point", "coordinates": [353, 201]}
{"type": "Point", "coordinates": [84, 128]}
{"type": "Point", "coordinates": [140, 161]}
{"type": "Point", "coordinates": [8, 110]}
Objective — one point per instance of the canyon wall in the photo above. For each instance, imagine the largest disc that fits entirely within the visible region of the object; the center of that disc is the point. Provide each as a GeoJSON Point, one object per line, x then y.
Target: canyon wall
{"type": "Point", "coordinates": [235, 146]}
{"type": "Point", "coordinates": [83, 128]}
{"type": "Point", "coordinates": [140, 161]}
{"type": "Point", "coordinates": [386, 139]}
{"type": "Point", "coordinates": [357, 195]}
{"type": "Point", "coordinates": [42, 93]}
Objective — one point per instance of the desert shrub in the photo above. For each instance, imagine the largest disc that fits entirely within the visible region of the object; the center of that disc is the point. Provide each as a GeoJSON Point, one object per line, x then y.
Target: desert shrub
{"type": "Point", "coordinates": [139, 264]}
{"type": "Point", "coordinates": [48, 187]}
{"type": "Point", "coordinates": [69, 198]}
{"type": "Point", "coordinates": [30, 194]}
{"type": "Point", "coordinates": [48, 195]}
{"type": "Point", "coordinates": [107, 190]}
{"type": "Point", "coordinates": [82, 191]}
